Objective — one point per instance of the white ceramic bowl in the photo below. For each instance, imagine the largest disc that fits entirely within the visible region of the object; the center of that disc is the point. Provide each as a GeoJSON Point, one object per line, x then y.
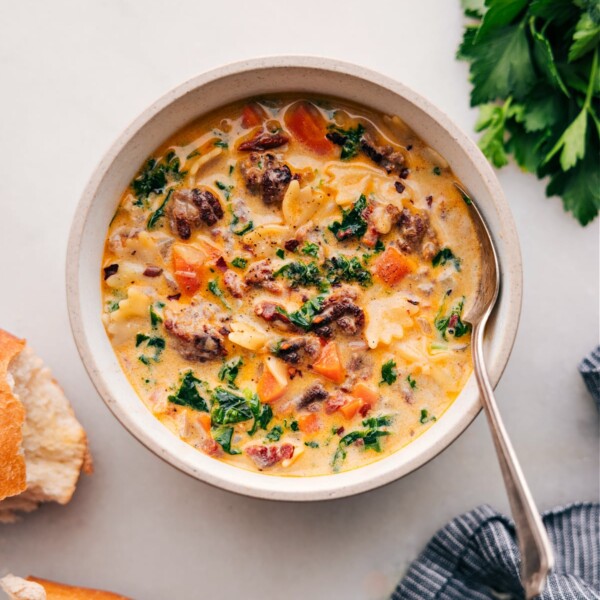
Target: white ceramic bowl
{"type": "Point", "coordinates": [205, 93]}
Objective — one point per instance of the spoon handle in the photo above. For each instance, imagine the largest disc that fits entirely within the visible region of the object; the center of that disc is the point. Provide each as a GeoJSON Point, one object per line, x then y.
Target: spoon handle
{"type": "Point", "coordinates": [537, 558]}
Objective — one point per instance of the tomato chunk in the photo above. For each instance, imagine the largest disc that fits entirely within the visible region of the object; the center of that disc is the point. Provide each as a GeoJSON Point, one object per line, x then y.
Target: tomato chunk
{"type": "Point", "coordinates": [253, 114]}
{"type": "Point", "coordinates": [392, 266]}
{"type": "Point", "coordinates": [329, 363]}
{"type": "Point", "coordinates": [189, 268]}
{"type": "Point", "coordinates": [308, 126]}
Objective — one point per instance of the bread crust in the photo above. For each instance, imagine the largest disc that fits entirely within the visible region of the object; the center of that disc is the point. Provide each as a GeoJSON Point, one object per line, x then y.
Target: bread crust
{"type": "Point", "coordinates": [60, 591]}
{"type": "Point", "coordinates": [12, 416]}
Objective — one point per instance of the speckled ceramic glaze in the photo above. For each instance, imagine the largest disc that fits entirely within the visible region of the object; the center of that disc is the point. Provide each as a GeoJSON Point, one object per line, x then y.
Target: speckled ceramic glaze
{"type": "Point", "coordinates": [205, 93]}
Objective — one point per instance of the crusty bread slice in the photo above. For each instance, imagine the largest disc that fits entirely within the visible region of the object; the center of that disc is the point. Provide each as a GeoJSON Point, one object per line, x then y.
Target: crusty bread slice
{"type": "Point", "coordinates": [34, 588]}
{"type": "Point", "coordinates": [43, 447]}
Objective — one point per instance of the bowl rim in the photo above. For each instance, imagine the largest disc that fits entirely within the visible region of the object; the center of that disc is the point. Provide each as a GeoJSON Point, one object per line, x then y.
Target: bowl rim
{"type": "Point", "coordinates": [224, 481]}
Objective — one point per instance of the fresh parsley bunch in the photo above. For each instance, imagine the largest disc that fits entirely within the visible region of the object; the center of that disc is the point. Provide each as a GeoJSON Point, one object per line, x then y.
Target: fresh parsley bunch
{"type": "Point", "coordinates": [535, 75]}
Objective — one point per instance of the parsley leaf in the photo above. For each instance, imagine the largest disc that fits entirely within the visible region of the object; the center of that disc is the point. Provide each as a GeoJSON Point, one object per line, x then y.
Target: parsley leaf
{"type": "Point", "coordinates": [389, 373]}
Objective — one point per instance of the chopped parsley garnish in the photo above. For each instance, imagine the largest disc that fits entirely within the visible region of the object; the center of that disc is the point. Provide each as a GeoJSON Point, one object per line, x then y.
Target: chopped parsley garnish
{"type": "Point", "coordinates": [426, 417]}
{"type": "Point", "coordinates": [230, 370]}
{"type": "Point", "coordinates": [389, 373]}
{"type": "Point", "coordinates": [412, 382]}
{"type": "Point", "coordinates": [215, 290]}
{"type": "Point", "coordinates": [223, 436]}
{"type": "Point", "coordinates": [280, 253]}
{"type": "Point", "coordinates": [188, 394]}
{"type": "Point", "coordinates": [113, 305]}
{"type": "Point", "coordinates": [353, 223]}
{"type": "Point", "coordinates": [379, 247]}
{"type": "Point", "coordinates": [340, 269]}
{"type": "Point", "coordinates": [304, 316]}
{"type": "Point", "coordinates": [311, 249]}
{"type": "Point", "coordinates": [159, 212]}
{"type": "Point", "coordinates": [155, 176]}
{"type": "Point", "coordinates": [294, 426]}
{"type": "Point", "coordinates": [312, 444]}
{"type": "Point", "coordinates": [239, 262]}
{"type": "Point", "coordinates": [301, 274]}
{"type": "Point", "coordinates": [446, 255]}
{"type": "Point", "coordinates": [348, 139]}
{"type": "Point", "coordinates": [452, 324]}
{"type": "Point", "coordinates": [221, 144]}
{"type": "Point", "coordinates": [275, 434]}
{"type": "Point", "coordinates": [437, 170]}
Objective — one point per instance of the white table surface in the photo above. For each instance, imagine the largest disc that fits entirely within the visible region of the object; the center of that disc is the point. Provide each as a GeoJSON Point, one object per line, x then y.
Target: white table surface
{"type": "Point", "coordinates": [74, 74]}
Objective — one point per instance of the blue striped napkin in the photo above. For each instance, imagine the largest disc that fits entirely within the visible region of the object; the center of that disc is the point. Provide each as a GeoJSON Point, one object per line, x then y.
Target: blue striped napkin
{"type": "Point", "coordinates": [475, 557]}
{"type": "Point", "coordinates": [590, 371]}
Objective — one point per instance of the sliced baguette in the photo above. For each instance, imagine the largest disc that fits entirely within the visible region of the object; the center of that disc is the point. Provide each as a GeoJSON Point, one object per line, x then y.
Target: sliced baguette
{"type": "Point", "coordinates": [34, 588]}
{"type": "Point", "coordinates": [43, 447]}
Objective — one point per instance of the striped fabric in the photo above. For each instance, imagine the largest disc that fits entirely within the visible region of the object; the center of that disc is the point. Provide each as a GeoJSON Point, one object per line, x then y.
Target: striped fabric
{"type": "Point", "coordinates": [475, 557]}
{"type": "Point", "coordinates": [590, 371]}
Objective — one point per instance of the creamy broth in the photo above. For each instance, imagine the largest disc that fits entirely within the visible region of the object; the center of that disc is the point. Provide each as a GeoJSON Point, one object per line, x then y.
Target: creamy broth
{"type": "Point", "coordinates": [284, 282]}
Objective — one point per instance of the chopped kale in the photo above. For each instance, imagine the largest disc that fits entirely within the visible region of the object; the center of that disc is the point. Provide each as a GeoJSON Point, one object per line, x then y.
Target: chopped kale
{"type": "Point", "coordinates": [303, 317]}
{"type": "Point", "coordinates": [375, 422]}
{"type": "Point", "coordinates": [301, 274]}
{"type": "Point", "coordinates": [452, 324]}
{"type": "Point", "coordinates": [353, 223]}
{"type": "Point", "coordinates": [446, 255]}
{"type": "Point", "coordinates": [411, 382]}
{"type": "Point", "coordinates": [239, 262]}
{"type": "Point", "coordinates": [155, 318]}
{"type": "Point", "coordinates": [159, 213]}
{"type": "Point", "coordinates": [426, 417]}
{"type": "Point", "coordinates": [155, 176]}
{"type": "Point", "coordinates": [221, 144]}
{"type": "Point", "coordinates": [294, 426]}
{"type": "Point", "coordinates": [241, 229]}
{"type": "Point", "coordinates": [229, 408]}
{"type": "Point", "coordinates": [223, 436]}
{"type": "Point", "coordinates": [215, 290]}
{"type": "Point", "coordinates": [226, 189]}
{"type": "Point", "coordinates": [389, 373]}
{"type": "Point", "coordinates": [341, 269]}
{"type": "Point", "coordinates": [348, 139]}
{"type": "Point", "coordinates": [275, 434]}
{"type": "Point", "coordinates": [379, 247]}
{"type": "Point", "coordinates": [280, 253]}
{"type": "Point", "coordinates": [312, 444]}
{"type": "Point", "coordinates": [371, 439]}
{"type": "Point", "coordinates": [230, 370]}
{"type": "Point", "coordinates": [311, 249]}
{"type": "Point", "coordinates": [188, 394]}
{"type": "Point", "coordinates": [437, 170]}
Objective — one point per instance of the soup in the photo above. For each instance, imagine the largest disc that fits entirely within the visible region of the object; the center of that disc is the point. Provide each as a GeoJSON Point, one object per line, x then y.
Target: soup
{"type": "Point", "coordinates": [284, 282]}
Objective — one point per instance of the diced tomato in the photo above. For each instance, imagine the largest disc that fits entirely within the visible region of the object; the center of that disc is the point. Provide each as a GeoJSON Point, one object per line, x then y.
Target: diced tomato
{"type": "Point", "coordinates": [188, 268]}
{"type": "Point", "coordinates": [308, 423]}
{"type": "Point", "coordinates": [308, 126]}
{"type": "Point", "coordinates": [392, 266]}
{"type": "Point", "coordinates": [329, 363]}
{"type": "Point", "coordinates": [253, 114]}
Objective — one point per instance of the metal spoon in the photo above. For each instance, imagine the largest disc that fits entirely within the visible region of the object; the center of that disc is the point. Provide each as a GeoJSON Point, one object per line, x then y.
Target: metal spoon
{"type": "Point", "coordinates": [537, 558]}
